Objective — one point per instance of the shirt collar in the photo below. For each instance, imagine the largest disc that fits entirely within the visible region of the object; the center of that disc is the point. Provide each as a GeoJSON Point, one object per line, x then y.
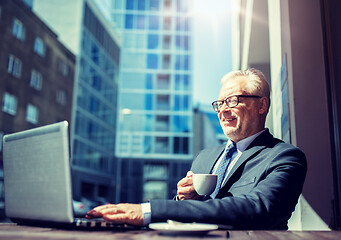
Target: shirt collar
{"type": "Point", "coordinates": [243, 144]}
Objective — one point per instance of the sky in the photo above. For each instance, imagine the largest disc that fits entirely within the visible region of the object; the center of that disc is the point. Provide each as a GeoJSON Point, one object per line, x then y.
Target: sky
{"type": "Point", "coordinates": [212, 48]}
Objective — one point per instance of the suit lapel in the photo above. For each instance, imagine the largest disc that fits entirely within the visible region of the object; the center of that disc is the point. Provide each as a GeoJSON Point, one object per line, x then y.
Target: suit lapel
{"type": "Point", "coordinates": [206, 160]}
{"type": "Point", "coordinates": [256, 146]}
{"type": "Point", "coordinates": [210, 164]}
{"type": "Point", "coordinates": [246, 155]}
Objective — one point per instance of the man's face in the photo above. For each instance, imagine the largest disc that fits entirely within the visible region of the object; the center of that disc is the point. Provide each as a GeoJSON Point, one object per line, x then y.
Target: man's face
{"type": "Point", "coordinates": [243, 120]}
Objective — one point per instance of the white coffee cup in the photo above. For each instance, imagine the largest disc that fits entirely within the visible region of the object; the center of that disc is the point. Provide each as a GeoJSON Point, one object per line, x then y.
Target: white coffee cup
{"type": "Point", "coordinates": [204, 184]}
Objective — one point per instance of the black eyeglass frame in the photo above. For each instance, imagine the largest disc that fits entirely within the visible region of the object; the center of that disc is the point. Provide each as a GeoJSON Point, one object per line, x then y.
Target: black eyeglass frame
{"type": "Point", "coordinates": [228, 103]}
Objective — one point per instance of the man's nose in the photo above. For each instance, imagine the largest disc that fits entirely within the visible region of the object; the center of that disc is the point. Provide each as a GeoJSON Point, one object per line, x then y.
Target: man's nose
{"type": "Point", "coordinates": [224, 107]}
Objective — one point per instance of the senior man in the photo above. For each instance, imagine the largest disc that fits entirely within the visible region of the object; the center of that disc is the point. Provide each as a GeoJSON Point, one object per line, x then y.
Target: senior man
{"type": "Point", "coordinates": [259, 177]}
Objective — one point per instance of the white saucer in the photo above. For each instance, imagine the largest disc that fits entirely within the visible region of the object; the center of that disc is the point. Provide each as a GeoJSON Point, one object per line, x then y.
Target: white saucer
{"type": "Point", "coordinates": [183, 228]}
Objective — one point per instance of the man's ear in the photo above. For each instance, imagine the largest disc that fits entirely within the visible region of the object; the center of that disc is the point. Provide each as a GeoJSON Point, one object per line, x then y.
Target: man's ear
{"type": "Point", "coordinates": [263, 105]}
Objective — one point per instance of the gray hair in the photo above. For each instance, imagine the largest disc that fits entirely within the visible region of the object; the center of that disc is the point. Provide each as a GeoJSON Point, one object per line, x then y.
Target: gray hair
{"type": "Point", "coordinates": [257, 82]}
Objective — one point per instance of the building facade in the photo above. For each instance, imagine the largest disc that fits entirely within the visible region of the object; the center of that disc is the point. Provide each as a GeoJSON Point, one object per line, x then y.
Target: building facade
{"type": "Point", "coordinates": [36, 73]}
{"type": "Point", "coordinates": [89, 36]}
{"type": "Point", "coordinates": [155, 113]}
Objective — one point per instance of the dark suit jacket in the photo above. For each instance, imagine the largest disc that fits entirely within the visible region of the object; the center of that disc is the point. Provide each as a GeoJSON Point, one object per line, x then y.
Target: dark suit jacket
{"type": "Point", "coordinates": [261, 191]}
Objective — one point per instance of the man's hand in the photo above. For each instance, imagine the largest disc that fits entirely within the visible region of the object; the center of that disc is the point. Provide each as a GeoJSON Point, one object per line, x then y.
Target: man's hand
{"type": "Point", "coordinates": [186, 189]}
{"type": "Point", "coordinates": [118, 213]}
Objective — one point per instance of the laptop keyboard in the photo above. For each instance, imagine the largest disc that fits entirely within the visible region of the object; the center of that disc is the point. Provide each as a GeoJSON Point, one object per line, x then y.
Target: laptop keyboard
{"type": "Point", "coordinates": [100, 223]}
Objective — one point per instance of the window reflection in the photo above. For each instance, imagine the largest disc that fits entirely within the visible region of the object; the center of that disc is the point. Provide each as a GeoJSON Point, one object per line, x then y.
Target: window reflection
{"type": "Point", "coordinates": [166, 42]}
{"type": "Point", "coordinates": [140, 21]}
{"type": "Point", "coordinates": [161, 145]}
{"type": "Point", "coordinates": [163, 81]}
{"type": "Point", "coordinates": [167, 23]}
{"type": "Point", "coordinates": [155, 181]}
{"type": "Point", "coordinates": [148, 123]}
{"type": "Point", "coordinates": [153, 22]}
{"type": "Point", "coordinates": [162, 102]}
{"type": "Point", "coordinates": [149, 102]}
{"type": "Point", "coordinates": [149, 81]}
{"type": "Point", "coordinates": [180, 145]}
{"type": "Point", "coordinates": [154, 190]}
{"type": "Point", "coordinates": [166, 61]}
{"type": "Point", "coordinates": [180, 123]}
{"type": "Point", "coordinates": [129, 5]}
{"type": "Point", "coordinates": [136, 101]}
{"type": "Point", "coordinates": [141, 4]}
{"type": "Point", "coordinates": [154, 5]}
{"type": "Point", "coordinates": [129, 21]}
{"type": "Point", "coordinates": [162, 123]}
{"type": "Point", "coordinates": [152, 61]}
{"type": "Point", "coordinates": [153, 40]}
{"type": "Point", "coordinates": [147, 144]}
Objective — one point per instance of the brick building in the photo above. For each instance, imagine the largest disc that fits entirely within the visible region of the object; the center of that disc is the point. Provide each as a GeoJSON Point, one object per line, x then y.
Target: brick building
{"type": "Point", "coordinates": [36, 72]}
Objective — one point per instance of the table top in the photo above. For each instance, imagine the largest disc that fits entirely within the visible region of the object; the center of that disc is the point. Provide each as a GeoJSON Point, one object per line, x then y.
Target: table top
{"type": "Point", "coordinates": [13, 231]}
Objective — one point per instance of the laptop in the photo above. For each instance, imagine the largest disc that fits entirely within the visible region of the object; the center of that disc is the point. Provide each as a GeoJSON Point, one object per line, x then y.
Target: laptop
{"type": "Point", "coordinates": [37, 179]}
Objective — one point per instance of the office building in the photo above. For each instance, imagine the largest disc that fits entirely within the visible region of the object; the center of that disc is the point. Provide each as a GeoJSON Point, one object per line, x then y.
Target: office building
{"type": "Point", "coordinates": [84, 30]}
{"type": "Point", "coordinates": [155, 113]}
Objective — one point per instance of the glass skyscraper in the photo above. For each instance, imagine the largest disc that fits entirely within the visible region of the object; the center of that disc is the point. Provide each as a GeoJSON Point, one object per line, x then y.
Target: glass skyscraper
{"type": "Point", "coordinates": [83, 29]}
{"type": "Point", "coordinates": [154, 125]}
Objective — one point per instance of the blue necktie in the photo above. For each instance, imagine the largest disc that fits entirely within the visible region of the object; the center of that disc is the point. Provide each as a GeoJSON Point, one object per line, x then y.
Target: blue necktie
{"type": "Point", "coordinates": [222, 168]}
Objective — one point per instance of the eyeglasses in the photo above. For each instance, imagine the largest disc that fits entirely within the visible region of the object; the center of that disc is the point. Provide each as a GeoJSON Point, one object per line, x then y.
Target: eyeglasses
{"type": "Point", "coordinates": [231, 101]}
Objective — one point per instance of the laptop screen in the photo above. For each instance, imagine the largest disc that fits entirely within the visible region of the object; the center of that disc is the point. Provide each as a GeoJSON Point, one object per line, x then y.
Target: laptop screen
{"type": "Point", "coordinates": [37, 174]}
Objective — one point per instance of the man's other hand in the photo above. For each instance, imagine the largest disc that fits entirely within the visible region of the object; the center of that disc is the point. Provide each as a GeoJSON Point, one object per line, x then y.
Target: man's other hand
{"type": "Point", "coordinates": [186, 189]}
{"type": "Point", "coordinates": [118, 213]}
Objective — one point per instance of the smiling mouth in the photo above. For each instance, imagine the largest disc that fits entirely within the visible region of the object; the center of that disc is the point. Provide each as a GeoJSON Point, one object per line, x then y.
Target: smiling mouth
{"type": "Point", "coordinates": [229, 119]}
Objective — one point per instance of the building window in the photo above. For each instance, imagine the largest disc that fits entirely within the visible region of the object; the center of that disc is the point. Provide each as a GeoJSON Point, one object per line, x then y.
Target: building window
{"type": "Point", "coordinates": [163, 102]}
{"type": "Point", "coordinates": [18, 29]}
{"type": "Point", "coordinates": [163, 81]}
{"type": "Point", "coordinates": [63, 68]}
{"type": "Point", "coordinates": [155, 181]}
{"type": "Point", "coordinates": [36, 80]}
{"type": "Point", "coordinates": [61, 97]}
{"type": "Point", "coordinates": [32, 114]}
{"type": "Point", "coordinates": [39, 47]}
{"type": "Point", "coordinates": [162, 123]}
{"type": "Point", "coordinates": [140, 21]}
{"type": "Point", "coordinates": [9, 104]}
{"type": "Point", "coordinates": [141, 5]}
{"type": "Point", "coordinates": [129, 21]}
{"type": "Point", "coordinates": [180, 124]}
{"type": "Point", "coordinates": [182, 42]}
{"type": "Point", "coordinates": [166, 61]}
{"type": "Point", "coordinates": [152, 61]}
{"type": "Point", "coordinates": [166, 42]}
{"type": "Point", "coordinates": [153, 22]}
{"type": "Point", "coordinates": [168, 5]}
{"type": "Point", "coordinates": [180, 145]}
{"type": "Point", "coordinates": [130, 5]}
{"type": "Point", "coordinates": [161, 145]}
{"type": "Point", "coordinates": [153, 41]}
{"type": "Point", "coordinates": [14, 66]}
{"type": "Point", "coordinates": [148, 102]}
{"type": "Point", "coordinates": [154, 5]}
{"type": "Point", "coordinates": [149, 81]}
{"type": "Point", "coordinates": [167, 23]}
